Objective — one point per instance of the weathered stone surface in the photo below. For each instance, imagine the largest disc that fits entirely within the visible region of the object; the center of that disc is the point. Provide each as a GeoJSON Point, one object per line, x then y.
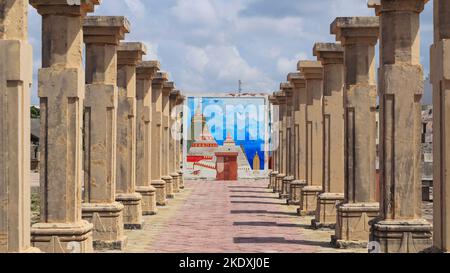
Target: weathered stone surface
{"type": "Point", "coordinates": [313, 73]}
{"type": "Point", "coordinates": [358, 36]}
{"type": "Point", "coordinates": [331, 55]}
{"type": "Point", "coordinates": [102, 36]}
{"type": "Point", "coordinates": [61, 91]}
{"type": "Point", "coordinates": [168, 87]}
{"type": "Point", "coordinates": [440, 77]}
{"type": "Point", "coordinates": [15, 80]}
{"type": "Point", "coordinates": [145, 72]}
{"type": "Point", "coordinates": [400, 227]}
{"type": "Point", "coordinates": [128, 57]}
{"type": "Point", "coordinates": [157, 135]}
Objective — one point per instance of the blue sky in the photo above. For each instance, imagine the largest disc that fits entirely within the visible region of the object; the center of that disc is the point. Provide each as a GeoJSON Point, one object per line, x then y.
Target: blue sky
{"type": "Point", "coordinates": [208, 45]}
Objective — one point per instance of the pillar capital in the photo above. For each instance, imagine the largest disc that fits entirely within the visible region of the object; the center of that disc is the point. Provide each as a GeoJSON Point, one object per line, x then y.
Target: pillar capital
{"type": "Point", "coordinates": [168, 87]}
{"type": "Point", "coordinates": [441, 20]}
{"type": "Point", "coordinates": [281, 97]}
{"type": "Point", "coordinates": [329, 53]}
{"type": "Point", "coordinates": [273, 99]}
{"type": "Point", "coordinates": [287, 88]}
{"type": "Point", "coordinates": [356, 30]}
{"type": "Point", "coordinates": [105, 29]}
{"type": "Point", "coordinates": [375, 4]}
{"type": "Point", "coordinates": [160, 78]}
{"type": "Point", "coordinates": [174, 95]}
{"type": "Point", "coordinates": [416, 6]}
{"type": "Point", "coordinates": [130, 53]}
{"type": "Point", "coordinates": [147, 70]}
{"type": "Point", "coordinates": [296, 79]}
{"type": "Point", "coordinates": [311, 70]}
{"type": "Point", "coordinates": [64, 7]}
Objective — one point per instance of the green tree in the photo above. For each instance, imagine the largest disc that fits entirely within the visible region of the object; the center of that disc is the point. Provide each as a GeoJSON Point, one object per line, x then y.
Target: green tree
{"type": "Point", "coordinates": [35, 112]}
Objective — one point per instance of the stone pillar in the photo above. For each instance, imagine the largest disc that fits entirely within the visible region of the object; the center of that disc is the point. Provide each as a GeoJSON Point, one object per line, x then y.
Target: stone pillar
{"type": "Point", "coordinates": [313, 73]}
{"type": "Point", "coordinates": [168, 87]}
{"type": "Point", "coordinates": [145, 72]}
{"type": "Point", "coordinates": [401, 227]}
{"type": "Point", "coordinates": [15, 81]}
{"type": "Point", "coordinates": [440, 76]}
{"type": "Point", "coordinates": [358, 36]}
{"type": "Point", "coordinates": [179, 150]}
{"type": "Point", "coordinates": [102, 36]}
{"type": "Point", "coordinates": [288, 156]}
{"type": "Point", "coordinates": [274, 173]}
{"type": "Point", "coordinates": [173, 170]}
{"type": "Point", "coordinates": [332, 57]}
{"type": "Point", "coordinates": [298, 145]}
{"type": "Point", "coordinates": [157, 141]}
{"type": "Point", "coordinates": [128, 55]}
{"type": "Point", "coordinates": [281, 151]}
{"type": "Point", "coordinates": [61, 92]}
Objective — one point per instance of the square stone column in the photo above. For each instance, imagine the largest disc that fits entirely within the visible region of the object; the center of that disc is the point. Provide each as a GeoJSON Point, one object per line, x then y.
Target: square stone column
{"type": "Point", "coordinates": [273, 175]}
{"type": "Point", "coordinates": [145, 72]}
{"type": "Point", "coordinates": [288, 152]}
{"type": "Point", "coordinates": [102, 35]}
{"type": "Point", "coordinates": [313, 73]}
{"type": "Point", "coordinates": [358, 36]}
{"type": "Point", "coordinates": [173, 116]}
{"type": "Point", "coordinates": [281, 150]}
{"type": "Point", "coordinates": [128, 57]}
{"type": "Point", "coordinates": [298, 145]}
{"type": "Point", "coordinates": [179, 151]}
{"type": "Point", "coordinates": [331, 56]}
{"type": "Point", "coordinates": [168, 87]}
{"type": "Point", "coordinates": [157, 138]}
{"type": "Point", "coordinates": [401, 227]}
{"type": "Point", "coordinates": [15, 81]}
{"type": "Point", "coordinates": [61, 91]}
{"type": "Point", "coordinates": [440, 77]}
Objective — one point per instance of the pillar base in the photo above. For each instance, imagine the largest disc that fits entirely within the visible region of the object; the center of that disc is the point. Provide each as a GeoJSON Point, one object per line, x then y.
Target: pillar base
{"type": "Point", "coordinates": [352, 226]}
{"type": "Point", "coordinates": [326, 212]}
{"type": "Point", "coordinates": [132, 212]}
{"type": "Point", "coordinates": [295, 192]}
{"type": "Point", "coordinates": [148, 199]}
{"type": "Point", "coordinates": [176, 182]}
{"type": "Point", "coordinates": [272, 181]}
{"type": "Point", "coordinates": [279, 182]}
{"type": "Point", "coordinates": [286, 187]}
{"type": "Point", "coordinates": [403, 236]}
{"type": "Point", "coordinates": [160, 187]}
{"type": "Point", "coordinates": [308, 200]}
{"type": "Point", "coordinates": [63, 237]}
{"type": "Point", "coordinates": [181, 179]}
{"type": "Point", "coordinates": [107, 219]}
{"type": "Point", "coordinates": [169, 186]}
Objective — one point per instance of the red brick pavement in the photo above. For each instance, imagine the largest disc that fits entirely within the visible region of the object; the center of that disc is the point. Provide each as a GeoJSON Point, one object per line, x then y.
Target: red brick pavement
{"type": "Point", "coordinates": [232, 217]}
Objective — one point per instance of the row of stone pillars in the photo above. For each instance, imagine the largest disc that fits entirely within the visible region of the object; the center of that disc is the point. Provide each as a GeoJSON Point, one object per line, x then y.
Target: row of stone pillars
{"type": "Point", "coordinates": [327, 158]}
{"type": "Point", "coordinates": [116, 121]}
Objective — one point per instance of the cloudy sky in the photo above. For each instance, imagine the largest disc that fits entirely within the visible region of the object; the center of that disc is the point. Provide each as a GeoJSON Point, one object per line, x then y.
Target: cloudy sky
{"type": "Point", "coordinates": [208, 45]}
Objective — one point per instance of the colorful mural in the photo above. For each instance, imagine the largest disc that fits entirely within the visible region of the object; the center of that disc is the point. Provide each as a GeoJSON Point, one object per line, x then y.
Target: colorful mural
{"type": "Point", "coordinates": [223, 129]}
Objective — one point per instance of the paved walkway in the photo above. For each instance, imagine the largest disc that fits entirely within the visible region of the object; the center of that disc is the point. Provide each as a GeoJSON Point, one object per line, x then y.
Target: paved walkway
{"type": "Point", "coordinates": [211, 217]}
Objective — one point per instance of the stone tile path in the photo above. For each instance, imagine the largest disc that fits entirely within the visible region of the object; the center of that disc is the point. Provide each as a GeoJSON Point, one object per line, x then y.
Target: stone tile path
{"type": "Point", "coordinates": [209, 217]}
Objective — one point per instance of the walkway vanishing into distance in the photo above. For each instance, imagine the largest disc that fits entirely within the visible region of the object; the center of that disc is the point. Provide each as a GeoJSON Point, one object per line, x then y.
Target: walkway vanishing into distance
{"type": "Point", "coordinates": [236, 217]}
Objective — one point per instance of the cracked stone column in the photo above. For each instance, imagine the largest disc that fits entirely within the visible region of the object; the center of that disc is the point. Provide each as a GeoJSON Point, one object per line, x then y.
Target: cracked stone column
{"type": "Point", "coordinates": [440, 77]}
{"type": "Point", "coordinates": [400, 227]}
{"type": "Point", "coordinates": [281, 151]}
{"type": "Point", "coordinates": [15, 81]}
{"type": "Point", "coordinates": [173, 170]}
{"type": "Point", "coordinates": [298, 82]}
{"type": "Point", "coordinates": [145, 72]}
{"type": "Point", "coordinates": [273, 175]}
{"type": "Point", "coordinates": [313, 73]}
{"type": "Point", "coordinates": [168, 87]}
{"type": "Point", "coordinates": [358, 36]}
{"type": "Point", "coordinates": [331, 56]}
{"type": "Point", "coordinates": [128, 56]}
{"type": "Point", "coordinates": [179, 149]}
{"type": "Point", "coordinates": [288, 158]}
{"type": "Point", "coordinates": [102, 35]}
{"type": "Point", "coordinates": [157, 135]}
{"type": "Point", "coordinates": [61, 91]}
